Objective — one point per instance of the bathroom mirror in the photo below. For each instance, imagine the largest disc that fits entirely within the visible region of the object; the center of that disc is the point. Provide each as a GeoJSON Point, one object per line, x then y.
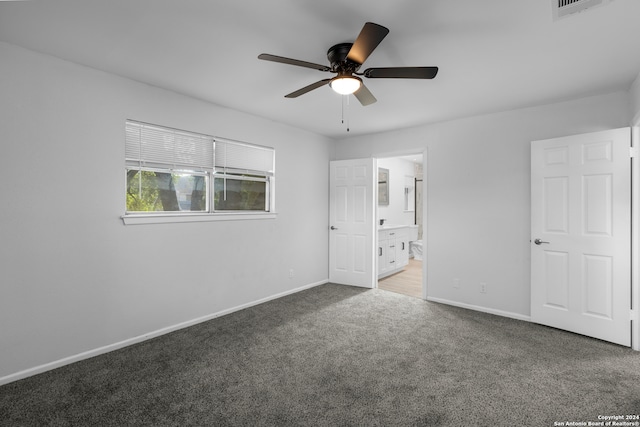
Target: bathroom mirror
{"type": "Point", "coordinates": [383, 186]}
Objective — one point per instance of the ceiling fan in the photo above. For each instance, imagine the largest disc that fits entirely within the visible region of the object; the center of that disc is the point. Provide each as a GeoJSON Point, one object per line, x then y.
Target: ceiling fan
{"type": "Point", "coordinates": [347, 58]}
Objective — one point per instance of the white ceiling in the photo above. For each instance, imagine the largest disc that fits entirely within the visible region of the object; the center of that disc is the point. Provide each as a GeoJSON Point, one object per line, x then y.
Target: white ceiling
{"type": "Point", "coordinates": [494, 55]}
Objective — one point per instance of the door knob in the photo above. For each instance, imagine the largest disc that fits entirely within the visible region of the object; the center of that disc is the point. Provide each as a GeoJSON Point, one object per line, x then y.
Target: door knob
{"type": "Point", "coordinates": [539, 242]}
{"type": "Point", "coordinates": [334, 228]}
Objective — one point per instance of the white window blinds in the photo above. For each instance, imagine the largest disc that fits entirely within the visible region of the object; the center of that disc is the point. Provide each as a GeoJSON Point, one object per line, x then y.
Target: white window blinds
{"type": "Point", "coordinates": [160, 147]}
{"type": "Point", "coordinates": [154, 146]}
{"type": "Point", "coordinates": [237, 156]}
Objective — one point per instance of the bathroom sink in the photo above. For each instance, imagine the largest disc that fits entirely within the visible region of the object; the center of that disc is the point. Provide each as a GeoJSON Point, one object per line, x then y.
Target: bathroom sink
{"type": "Point", "coordinates": [390, 226]}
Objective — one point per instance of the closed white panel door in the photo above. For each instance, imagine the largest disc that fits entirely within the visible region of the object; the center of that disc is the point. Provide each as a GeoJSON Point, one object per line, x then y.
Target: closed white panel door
{"type": "Point", "coordinates": [352, 217]}
{"type": "Point", "coordinates": [581, 234]}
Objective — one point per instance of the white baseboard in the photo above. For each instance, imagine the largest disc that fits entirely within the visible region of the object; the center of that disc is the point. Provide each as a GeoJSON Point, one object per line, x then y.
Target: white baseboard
{"type": "Point", "coordinates": [135, 340]}
{"type": "Point", "coordinates": [502, 313]}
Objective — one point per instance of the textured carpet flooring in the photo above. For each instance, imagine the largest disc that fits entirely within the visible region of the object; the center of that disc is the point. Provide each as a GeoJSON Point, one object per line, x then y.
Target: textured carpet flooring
{"type": "Point", "coordinates": [337, 356]}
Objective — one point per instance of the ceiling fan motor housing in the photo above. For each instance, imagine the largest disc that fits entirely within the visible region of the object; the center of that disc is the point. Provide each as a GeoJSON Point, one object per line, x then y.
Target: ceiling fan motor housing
{"type": "Point", "coordinates": [337, 56]}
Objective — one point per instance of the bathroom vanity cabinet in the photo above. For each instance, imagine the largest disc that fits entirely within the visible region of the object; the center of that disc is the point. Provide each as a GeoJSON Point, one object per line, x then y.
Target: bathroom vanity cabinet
{"type": "Point", "coordinates": [393, 249]}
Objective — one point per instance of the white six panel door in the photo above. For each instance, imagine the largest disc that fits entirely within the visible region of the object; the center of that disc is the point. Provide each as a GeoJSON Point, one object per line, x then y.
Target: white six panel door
{"type": "Point", "coordinates": [352, 217]}
{"type": "Point", "coordinates": [581, 234]}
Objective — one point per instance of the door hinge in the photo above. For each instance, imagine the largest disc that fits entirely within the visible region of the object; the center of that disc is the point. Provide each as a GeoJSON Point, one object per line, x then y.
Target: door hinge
{"type": "Point", "coordinates": [633, 315]}
{"type": "Point", "coordinates": [633, 152]}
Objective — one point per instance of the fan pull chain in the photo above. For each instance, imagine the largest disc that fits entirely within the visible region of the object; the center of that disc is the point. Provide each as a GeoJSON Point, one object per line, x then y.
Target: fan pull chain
{"type": "Point", "coordinates": [345, 110]}
{"type": "Point", "coordinates": [347, 96]}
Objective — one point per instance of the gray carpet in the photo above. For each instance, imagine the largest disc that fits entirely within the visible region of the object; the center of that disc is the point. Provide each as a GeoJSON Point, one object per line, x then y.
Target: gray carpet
{"type": "Point", "coordinates": [339, 356]}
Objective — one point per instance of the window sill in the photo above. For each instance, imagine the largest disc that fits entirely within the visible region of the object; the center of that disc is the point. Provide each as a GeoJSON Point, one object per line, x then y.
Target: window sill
{"type": "Point", "coordinates": [205, 217]}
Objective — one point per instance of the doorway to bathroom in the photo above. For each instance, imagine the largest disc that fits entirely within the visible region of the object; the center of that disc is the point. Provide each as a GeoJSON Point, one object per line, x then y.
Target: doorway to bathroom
{"type": "Point", "coordinates": [400, 224]}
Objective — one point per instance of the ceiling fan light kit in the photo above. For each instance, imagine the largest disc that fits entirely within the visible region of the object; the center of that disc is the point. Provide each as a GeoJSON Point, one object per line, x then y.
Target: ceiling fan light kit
{"type": "Point", "coordinates": [346, 59]}
{"type": "Point", "coordinates": [345, 85]}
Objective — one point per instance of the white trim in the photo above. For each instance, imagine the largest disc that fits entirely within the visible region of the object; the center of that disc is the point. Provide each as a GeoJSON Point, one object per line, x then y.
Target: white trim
{"type": "Point", "coordinates": [502, 313]}
{"type": "Point", "coordinates": [135, 219]}
{"type": "Point", "coordinates": [425, 225]}
{"type": "Point", "coordinates": [135, 340]}
{"type": "Point", "coordinates": [635, 236]}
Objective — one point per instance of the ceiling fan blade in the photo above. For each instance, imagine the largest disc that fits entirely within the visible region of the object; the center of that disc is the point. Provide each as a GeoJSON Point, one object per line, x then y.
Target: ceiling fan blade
{"type": "Point", "coordinates": [401, 73]}
{"type": "Point", "coordinates": [283, 60]}
{"type": "Point", "coordinates": [309, 88]}
{"type": "Point", "coordinates": [369, 38]}
{"type": "Point", "coordinates": [364, 96]}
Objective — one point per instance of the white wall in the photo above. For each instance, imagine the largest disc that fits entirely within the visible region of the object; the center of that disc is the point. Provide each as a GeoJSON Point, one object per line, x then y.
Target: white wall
{"type": "Point", "coordinates": [394, 212]}
{"type": "Point", "coordinates": [477, 187]}
{"type": "Point", "coordinates": [74, 278]}
{"type": "Point", "coordinates": [634, 93]}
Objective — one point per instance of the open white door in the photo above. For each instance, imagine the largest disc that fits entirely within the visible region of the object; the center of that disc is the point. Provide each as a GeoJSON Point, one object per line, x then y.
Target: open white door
{"type": "Point", "coordinates": [581, 234]}
{"type": "Point", "coordinates": [352, 222]}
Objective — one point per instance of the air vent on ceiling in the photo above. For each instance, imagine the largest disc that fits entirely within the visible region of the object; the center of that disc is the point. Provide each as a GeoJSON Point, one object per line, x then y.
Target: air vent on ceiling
{"type": "Point", "coordinates": [564, 8]}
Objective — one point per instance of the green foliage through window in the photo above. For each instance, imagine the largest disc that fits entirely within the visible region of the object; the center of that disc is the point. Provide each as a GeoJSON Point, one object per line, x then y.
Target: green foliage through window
{"type": "Point", "coordinates": [154, 191]}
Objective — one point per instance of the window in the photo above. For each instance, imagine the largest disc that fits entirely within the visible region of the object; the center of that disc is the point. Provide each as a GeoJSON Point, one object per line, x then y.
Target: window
{"type": "Point", "coordinates": [241, 179]}
{"type": "Point", "coordinates": [240, 192]}
{"type": "Point", "coordinates": [150, 190]}
{"type": "Point", "coordinates": [176, 172]}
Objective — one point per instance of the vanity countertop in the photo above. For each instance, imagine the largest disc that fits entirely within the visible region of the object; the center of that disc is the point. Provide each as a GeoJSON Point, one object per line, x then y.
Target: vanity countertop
{"type": "Point", "coordinates": [394, 226]}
